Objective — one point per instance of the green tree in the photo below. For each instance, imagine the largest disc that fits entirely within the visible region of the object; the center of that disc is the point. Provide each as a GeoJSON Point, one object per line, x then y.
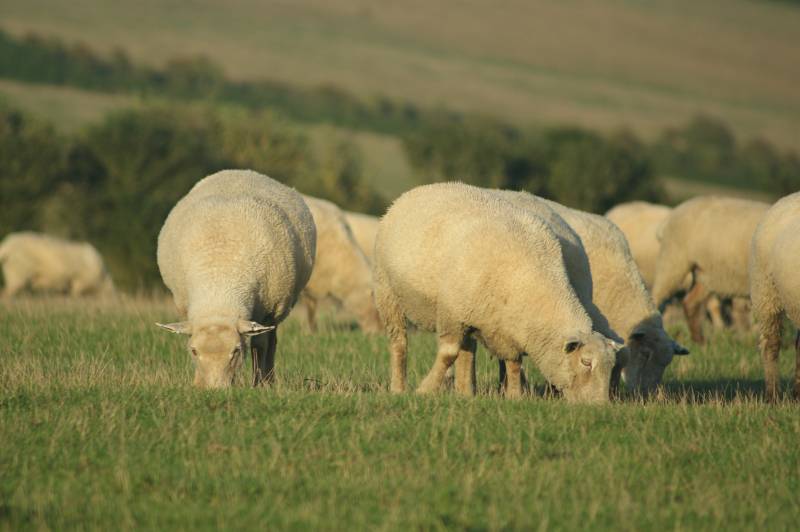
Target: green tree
{"type": "Point", "coordinates": [32, 156]}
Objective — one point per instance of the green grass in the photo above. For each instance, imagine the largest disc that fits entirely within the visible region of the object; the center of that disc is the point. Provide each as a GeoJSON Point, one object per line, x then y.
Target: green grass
{"type": "Point", "coordinates": [99, 428]}
{"type": "Point", "coordinates": [605, 64]}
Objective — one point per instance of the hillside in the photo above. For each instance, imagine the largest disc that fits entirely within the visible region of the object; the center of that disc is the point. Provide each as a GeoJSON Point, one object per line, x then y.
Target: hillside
{"type": "Point", "coordinates": [619, 63]}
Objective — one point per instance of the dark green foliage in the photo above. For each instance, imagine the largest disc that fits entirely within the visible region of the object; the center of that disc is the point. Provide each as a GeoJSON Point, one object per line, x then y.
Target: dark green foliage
{"type": "Point", "coordinates": [114, 184]}
{"type": "Point", "coordinates": [706, 149]}
{"type": "Point", "coordinates": [594, 173]}
{"type": "Point", "coordinates": [152, 158]}
{"type": "Point", "coordinates": [573, 166]}
{"type": "Point", "coordinates": [441, 145]}
{"type": "Point", "coordinates": [32, 155]}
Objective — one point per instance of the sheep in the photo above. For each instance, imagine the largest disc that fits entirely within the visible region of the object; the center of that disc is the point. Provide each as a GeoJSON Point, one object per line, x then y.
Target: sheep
{"type": "Point", "coordinates": [235, 252]}
{"type": "Point", "coordinates": [619, 292]}
{"type": "Point", "coordinates": [365, 228]}
{"type": "Point", "coordinates": [774, 286]}
{"type": "Point", "coordinates": [575, 261]}
{"type": "Point", "coordinates": [462, 261]}
{"type": "Point", "coordinates": [709, 237]}
{"type": "Point", "coordinates": [341, 269]}
{"type": "Point", "coordinates": [46, 263]}
{"type": "Point", "coordinates": [640, 222]}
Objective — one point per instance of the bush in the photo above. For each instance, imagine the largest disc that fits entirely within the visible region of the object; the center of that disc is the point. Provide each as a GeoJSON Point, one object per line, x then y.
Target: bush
{"type": "Point", "coordinates": [572, 166]}
{"type": "Point", "coordinates": [32, 156]}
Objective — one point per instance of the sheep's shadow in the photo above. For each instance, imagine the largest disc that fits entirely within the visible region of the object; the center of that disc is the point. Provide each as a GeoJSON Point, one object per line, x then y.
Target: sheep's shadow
{"type": "Point", "coordinates": [696, 392]}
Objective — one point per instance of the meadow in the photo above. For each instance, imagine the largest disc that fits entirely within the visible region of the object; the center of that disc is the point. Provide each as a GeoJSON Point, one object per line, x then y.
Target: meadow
{"type": "Point", "coordinates": [100, 429]}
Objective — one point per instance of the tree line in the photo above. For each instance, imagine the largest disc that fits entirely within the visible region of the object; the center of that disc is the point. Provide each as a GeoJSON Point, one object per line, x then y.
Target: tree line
{"type": "Point", "coordinates": [114, 182]}
{"type": "Point", "coordinates": [705, 149]}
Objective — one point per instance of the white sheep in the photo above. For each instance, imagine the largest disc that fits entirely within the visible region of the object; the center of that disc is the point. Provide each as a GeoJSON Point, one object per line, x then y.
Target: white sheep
{"type": "Point", "coordinates": [46, 263]}
{"type": "Point", "coordinates": [620, 294]}
{"type": "Point", "coordinates": [709, 238]}
{"type": "Point", "coordinates": [462, 261]}
{"type": "Point", "coordinates": [235, 252]}
{"type": "Point", "coordinates": [576, 262]}
{"type": "Point", "coordinates": [775, 285]}
{"type": "Point", "coordinates": [640, 222]}
{"type": "Point", "coordinates": [365, 229]}
{"type": "Point", "coordinates": [341, 270]}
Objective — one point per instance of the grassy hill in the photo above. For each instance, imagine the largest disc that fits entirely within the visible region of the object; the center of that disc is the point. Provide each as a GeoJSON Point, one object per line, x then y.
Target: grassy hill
{"type": "Point", "coordinates": [617, 63]}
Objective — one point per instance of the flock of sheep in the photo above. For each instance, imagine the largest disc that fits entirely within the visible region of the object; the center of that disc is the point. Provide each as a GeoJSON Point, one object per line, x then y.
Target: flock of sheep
{"type": "Point", "coordinates": [577, 292]}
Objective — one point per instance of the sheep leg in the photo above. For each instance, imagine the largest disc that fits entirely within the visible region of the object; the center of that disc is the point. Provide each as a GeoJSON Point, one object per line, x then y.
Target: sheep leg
{"type": "Point", "coordinates": [693, 307]}
{"type": "Point", "coordinates": [740, 314]}
{"type": "Point", "coordinates": [449, 347]}
{"type": "Point", "coordinates": [465, 367]}
{"type": "Point", "coordinates": [514, 378]}
{"type": "Point", "coordinates": [797, 366]}
{"type": "Point", "coordinates": [310, 305]}
{"type": "Point", "coordinates": [714, 308]}
{"type": "Point", "coordinates": [263, 349]}
{"type": "Point", "coordinates": [770, 351]}
{"type": "Point", "coordinates": [501, 385]}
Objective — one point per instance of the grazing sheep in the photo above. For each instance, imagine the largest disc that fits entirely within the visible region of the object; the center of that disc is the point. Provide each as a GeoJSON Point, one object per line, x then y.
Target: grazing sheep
{"type": "Point", "coordinates": [639, 222]}
{"type": "Point", "coordinates": [708, 237]}
{"type": "Point", "coordinates": [576, 262]}
{"type": "Point", "coordinates": [775, 285]}
{"type": "Point", "coordinates": [462, 261]}
{"type": "Point", "coordinates": [341, 270]}
{"type": "Point", "coordinates": [620, 293]}
{"type": "Point", "coordinates": [235, 252]}
{"type": "Point", "coordinates": [365, 228]}
{"type": "Point", "coordinates": [46, 263]}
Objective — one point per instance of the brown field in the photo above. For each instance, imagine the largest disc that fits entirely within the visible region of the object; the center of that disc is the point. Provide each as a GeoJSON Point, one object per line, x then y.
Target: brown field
{"type": "Point", "coordinates": [644, 65]}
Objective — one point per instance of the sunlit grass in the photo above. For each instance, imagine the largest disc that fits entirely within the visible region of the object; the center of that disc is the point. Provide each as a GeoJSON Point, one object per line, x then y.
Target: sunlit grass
{"type": "Point", "coordinates": [100, 428]}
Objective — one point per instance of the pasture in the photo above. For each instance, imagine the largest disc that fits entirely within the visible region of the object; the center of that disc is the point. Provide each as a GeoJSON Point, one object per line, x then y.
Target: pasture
{"type": "Point", "coordinates": [101, 429]}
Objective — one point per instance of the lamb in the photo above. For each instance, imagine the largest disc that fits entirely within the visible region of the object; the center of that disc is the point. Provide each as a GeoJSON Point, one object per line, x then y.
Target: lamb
{"type": "Point", "coordinates": [708, 237]}
{"type": "Point", "coordinates": [639, 222]}
{"type": "Point", "coordinates": [235, 252]}
{"type": "Point", "coordinates": [464, 262]}
{"type": "Point", "coordinates": [341, 269]}
{"type": "Point", "coordinates": [365, 228]}
{"type": "Point", "coordinates": [46, 263]}
{"type": "Point", "coordinates": [620, 294]}
{"type": "Point", "coordinates": [774, 286]}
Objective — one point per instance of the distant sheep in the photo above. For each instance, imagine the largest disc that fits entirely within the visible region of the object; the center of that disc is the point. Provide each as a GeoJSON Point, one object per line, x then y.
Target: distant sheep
{"type": "Point", "coordinates": [341, 269]}
{"type": "Point", "coordinates": [775, 285]}
{"type": "Point", "coordinates": [639, 221]}
{"type": "Point", "coordinates": [365, 229]}
{"type": "Point", "coordinates": [708, 237]}
{"type": "Point", "coordinates": [620, 293]}
{"type": "Point", "coordinates": [462, 261]}
{"type": "Point", "coordinates": [235, 252]}
{"type": "Point", "coordinates": [46, 263]}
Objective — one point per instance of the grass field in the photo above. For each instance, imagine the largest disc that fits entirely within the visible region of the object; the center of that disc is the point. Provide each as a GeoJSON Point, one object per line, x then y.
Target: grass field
{"type": "Point", "coordinates": [605, 64]}
{"type": "Point", "coordinates": [101, 429]}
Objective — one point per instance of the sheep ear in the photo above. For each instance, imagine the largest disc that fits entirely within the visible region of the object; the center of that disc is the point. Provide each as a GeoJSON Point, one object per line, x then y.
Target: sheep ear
{"type": "Point", "coordinates": [180, 327]}
{"type": "Point", "coordinates": [678, 349]}
{"type": "Point", "coordinates": [253, 328]}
